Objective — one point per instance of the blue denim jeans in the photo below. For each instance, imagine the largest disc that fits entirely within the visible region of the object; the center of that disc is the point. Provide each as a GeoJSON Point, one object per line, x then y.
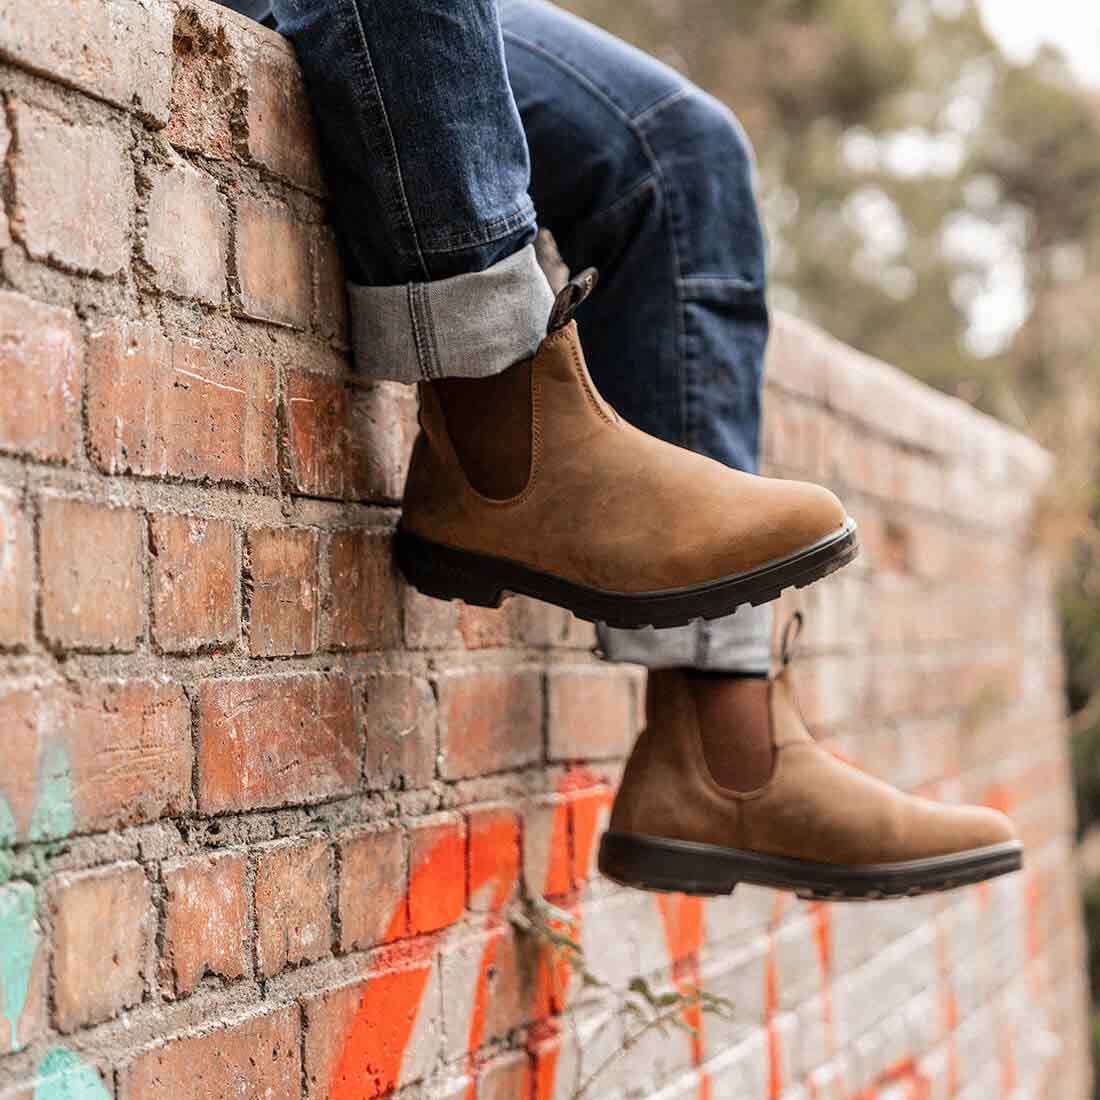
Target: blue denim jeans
{"type": "Point", "coordinates": [447, 124]}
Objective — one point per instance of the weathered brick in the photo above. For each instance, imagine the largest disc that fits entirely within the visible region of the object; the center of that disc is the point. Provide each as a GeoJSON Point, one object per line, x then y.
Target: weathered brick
{"type": "Point", "coordinates": [273, 264]}
{"type": "Point", "coordinates": [187, 234]}
{"type": "Point", "coordinates": [280, 122]}
{"type": "Point", "coordinates": [330, 316]}
{"type": "Point", "coordinates": [591, 711]}
{"type": "Point", "coordinates": [283, 589]}
{"type": "Point", "coordinates": [347, 442]}
{"type": "Point", "coordinates": [103, 922]}
{"type": "Point", "coordinates": [211, 55]}
{"type": "Point", "coordinates": [370, 1037]}
{"type": "Point", "coordinates": [257, 1059]}
{"type": "Point", "coordinates": [271, 741]}
{"type": "Point", "coordinates": [506, 1077]}
{"type": "Point", "coordinates": [547, 866]}
{"type": "Point", "coordinates": [98, 756]}
{"type": "Point", "coordinates": [363, 596]}
{"type": "Point", "coordinates": [92, 586]}
{"type": "Point", "coordinates": [115, 50]}
{"type": "Point", "coordinates": [294, 886]}
{"type": "Point", "coordinates": [26, 963]}
{"type": "Point", "coordinates": [373, 881]}
{"type": "Point", "coordinates": [205, 921]}
{"type": "Point", "coordinates": [193, 582]}
{"type": "Point", "coordinates": [489, 720]}
{"type": "Point", "coordinates": [494, 855]}
{"type": "Point", "coordinates": [158, 407]}
{"type": "Point", "coordinates": [41, 367]}
{"type": "Point", "coordinates": [437, 872]}
{"type": "Point", "coordinates": [401, 739]}
{"type": "Point", "coordinates": [491, 963]}
{"type": "Point", "coordinates": [74, 191]}
{"type": "Point", "coordinates": [16, 573]}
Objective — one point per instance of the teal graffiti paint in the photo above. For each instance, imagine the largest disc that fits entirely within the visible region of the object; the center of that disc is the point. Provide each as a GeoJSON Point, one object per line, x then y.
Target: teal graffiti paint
{"type": "Point", "coordinates": [52, 816]}
{"type": "Point", "coordinates": [62, 1076]}
{"type": "Point", "coordinates": [18, 946]}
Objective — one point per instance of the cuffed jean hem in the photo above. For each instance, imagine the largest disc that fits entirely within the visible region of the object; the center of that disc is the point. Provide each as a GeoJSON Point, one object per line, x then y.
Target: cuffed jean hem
{"type": "Point", "coordinates": [740, 643]}
{"type": "Point", "coordinates": [467, 326]}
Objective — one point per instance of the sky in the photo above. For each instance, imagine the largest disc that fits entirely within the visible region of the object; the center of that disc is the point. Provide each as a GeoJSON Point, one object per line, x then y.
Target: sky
{"type": "Point", "coordinates": [1074, 25]}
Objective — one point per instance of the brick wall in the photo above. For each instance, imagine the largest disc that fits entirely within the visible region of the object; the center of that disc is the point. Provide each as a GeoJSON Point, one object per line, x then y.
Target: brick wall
{"type": "Point", "coordinates": [264, 812]}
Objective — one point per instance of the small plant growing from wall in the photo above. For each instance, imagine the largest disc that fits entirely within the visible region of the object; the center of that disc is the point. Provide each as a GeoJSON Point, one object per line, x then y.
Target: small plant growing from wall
{"type": "Point", "coordinates": [642, 1010]}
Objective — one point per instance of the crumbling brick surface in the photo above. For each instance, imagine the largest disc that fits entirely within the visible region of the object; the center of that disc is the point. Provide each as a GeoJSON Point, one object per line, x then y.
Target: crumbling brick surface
{"type": "Point", "coordinates": [265, 812]}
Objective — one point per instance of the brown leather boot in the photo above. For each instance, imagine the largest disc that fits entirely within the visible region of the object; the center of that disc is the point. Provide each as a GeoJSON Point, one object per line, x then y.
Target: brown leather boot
{"type": "Point", "coordinates": [819, 827]}
{"type": "Point", "coordinates": [612, 524]}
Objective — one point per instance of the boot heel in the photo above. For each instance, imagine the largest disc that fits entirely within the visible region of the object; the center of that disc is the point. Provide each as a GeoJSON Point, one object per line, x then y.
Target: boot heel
{"type": "Point", "coordinates": [647, 863]}
{"type": "Point", "coordinates": [443, 573]}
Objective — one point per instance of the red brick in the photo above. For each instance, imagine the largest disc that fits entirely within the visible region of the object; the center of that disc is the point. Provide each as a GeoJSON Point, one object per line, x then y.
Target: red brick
{"type": "Point", "coordinates": [365, 1039]}
{"type": "Point", "coordinates": [193, 582]}
{"type": "Point", "coordinates": [103, 922]}
{"type": "Point", "coordinates": [494, 855]}
{"type": "Point", "coordinates": [24, 1018]}
{"type": "Point", "coordinates": [331, 294]}
{"type": "Point", "coordinates": [430, 624]}
{"type": "Point", "coordinates": [257, 1059]}
{"type": "Point", "coordinates": [373, 883]}
{"type": "Point", "coordinates": [16, 573]}
{"type": "Point", "coordinates": [119, 50]}
{"type": "Point", "coordinates": [547, 860]}
{"type": "Point", "coordinates": [205, 921]}
{"type": "Point", "coordinates": [485, 627]}
{"type": "Point", "coordinates": [591, 712]}
{"type": "Point", "coordinates": [41, 364]}
{"type": "Point", "coordinates": [269, 742]}
{"type": "Point", "coordinates": [589, 811]}
{"type": "Point", "coordinates": [401, 738]}
{"type": "Point", "coordinates": [158, 407]}
{"type": "Point", "coordinates": [121, 751]}
{"type": "Point", "coordinates": [187, 234]}
{"type": "Point", "coordinates": [506, 1077]}
{"type": "Point", "coordinates": [294, 886]}
{"type": "Point", "coordinates": [273, 264]}
{"type": "Point", "coordinates": [74, 191]}
{"type": "Point", "coordinates": [280, 122]}
{"type": "Point", "coordinates": [437, 872]}
{"type": "Point", "coordinates": [92, 585]}
{"type": "Point", "coordinates": [283, 591]}
{"type": "Point", "coordinates": [363, 593]}
{"type": "Point", "coordinates": [347, 442]}
{"type": "Point", "coordinates": [489, 720]}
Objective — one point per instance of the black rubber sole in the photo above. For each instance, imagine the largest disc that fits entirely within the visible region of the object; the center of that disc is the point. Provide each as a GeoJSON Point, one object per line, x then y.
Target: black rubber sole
{"type": "Point", "coordinates": [484, 580]}
{"type": "Point", "coordinates": [684, 867]}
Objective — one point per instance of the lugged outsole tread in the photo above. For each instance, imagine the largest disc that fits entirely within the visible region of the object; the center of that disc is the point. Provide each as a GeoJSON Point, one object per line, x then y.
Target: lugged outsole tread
{"type": "Point", "coordinates": [447, 573]}
{"type": "Point", "coordinates": [896, 881]}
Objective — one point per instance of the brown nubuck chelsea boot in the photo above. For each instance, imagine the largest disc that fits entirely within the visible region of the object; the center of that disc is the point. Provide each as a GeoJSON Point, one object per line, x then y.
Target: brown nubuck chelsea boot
{"type": "Point", "coordinates": [613, 524]}
{"type": "Point", "coordinates": [819, 826]}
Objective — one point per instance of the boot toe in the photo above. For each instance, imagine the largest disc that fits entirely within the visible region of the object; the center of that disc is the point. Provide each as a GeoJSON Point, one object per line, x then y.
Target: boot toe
{"type": "Point", "coordinates": [809, 514]}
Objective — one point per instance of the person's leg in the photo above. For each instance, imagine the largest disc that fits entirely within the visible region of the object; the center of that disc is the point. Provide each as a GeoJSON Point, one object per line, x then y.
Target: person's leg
{"type": "Point", "coordinates": [523, 478]}
{"type": "Point", "coordinates": [637, 171]}
{"type": "Point", "coordinates": [657, 193]}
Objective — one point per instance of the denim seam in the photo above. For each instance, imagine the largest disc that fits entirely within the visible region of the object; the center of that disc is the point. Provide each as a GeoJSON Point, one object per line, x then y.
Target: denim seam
{"type": "Point", "coordinates": [395, 161]}
{"type": "Point", "coordinates": [656, 108]}
{"type": "Point", "coordinates": [629, 121]}
{"type": "Point", "coordinates": [415, 292]}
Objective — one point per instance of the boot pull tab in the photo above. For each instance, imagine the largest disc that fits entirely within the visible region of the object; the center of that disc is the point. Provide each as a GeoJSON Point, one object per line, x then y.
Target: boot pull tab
{"type": "Point", "coordinates": [569, 297]}
{"type": "Point", "coordinates": [791, 633]}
